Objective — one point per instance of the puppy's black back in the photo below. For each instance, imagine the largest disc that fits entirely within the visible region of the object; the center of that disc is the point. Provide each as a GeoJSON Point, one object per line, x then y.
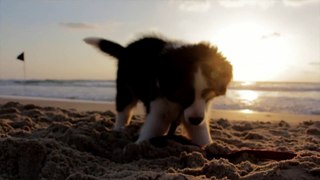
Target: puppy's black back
{"type": "Point", "coordinates": [137, 71]}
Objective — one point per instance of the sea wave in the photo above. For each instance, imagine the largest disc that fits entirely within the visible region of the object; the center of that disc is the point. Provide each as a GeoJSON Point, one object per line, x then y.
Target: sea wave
{"type": "Point", "coordinates": [297, 98]}
{"type": "Point", "coordinates": [66, 83]}
{"type": "Point", "coordinates": [275, 86]}
{"type": "Point", "coordinates": [237, 85]}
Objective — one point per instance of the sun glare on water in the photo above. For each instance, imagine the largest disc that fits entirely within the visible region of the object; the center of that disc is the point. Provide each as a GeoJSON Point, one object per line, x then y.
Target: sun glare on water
{"type": "Point", "coordinates": [246, 111]}
{"type": "Point", "coordinates": [247, 97]}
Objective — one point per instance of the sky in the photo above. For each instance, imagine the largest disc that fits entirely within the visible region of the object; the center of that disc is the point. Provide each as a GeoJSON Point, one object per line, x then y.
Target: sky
{"type": "Point", "coordinates": [265, 40]}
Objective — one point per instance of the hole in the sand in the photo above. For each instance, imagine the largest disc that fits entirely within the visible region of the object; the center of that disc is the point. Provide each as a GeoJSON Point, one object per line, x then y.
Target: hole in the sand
{"type": "Point", "coordinates": [163, 141]}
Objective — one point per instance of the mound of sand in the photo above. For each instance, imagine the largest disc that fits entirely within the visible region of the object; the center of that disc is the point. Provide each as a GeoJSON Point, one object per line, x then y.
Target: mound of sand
{"type": "Point", "coordinates": [54, 143]}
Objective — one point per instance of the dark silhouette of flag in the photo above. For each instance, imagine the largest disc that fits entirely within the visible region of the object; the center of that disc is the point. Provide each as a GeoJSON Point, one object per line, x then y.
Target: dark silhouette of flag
{"type": "Point", "coordinates": [21, 56]}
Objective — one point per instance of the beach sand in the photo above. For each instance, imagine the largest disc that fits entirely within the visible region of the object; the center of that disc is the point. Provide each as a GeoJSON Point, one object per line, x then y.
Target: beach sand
{"type": "Point", "coordinates": [64, 139]}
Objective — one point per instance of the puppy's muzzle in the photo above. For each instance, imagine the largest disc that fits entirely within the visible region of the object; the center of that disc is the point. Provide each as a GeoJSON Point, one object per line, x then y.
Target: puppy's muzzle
{"type": "Point", "coordinates": [195, 120]}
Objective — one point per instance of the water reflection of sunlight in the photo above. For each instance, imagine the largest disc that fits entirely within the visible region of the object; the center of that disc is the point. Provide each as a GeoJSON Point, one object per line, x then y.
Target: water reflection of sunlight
{"type": "Point", "coordinates": [246, 111]}
{"type": "Point", "coordinates": [248, 96]}
{"type": "Point", "coordinates": [247, 83]}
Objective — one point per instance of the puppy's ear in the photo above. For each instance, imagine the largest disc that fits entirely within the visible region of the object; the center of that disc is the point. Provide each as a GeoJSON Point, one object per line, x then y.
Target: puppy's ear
{"type": "Point", "coordinates": [226, 76]}
{"type": "Point", "coordinates": [109, 47]}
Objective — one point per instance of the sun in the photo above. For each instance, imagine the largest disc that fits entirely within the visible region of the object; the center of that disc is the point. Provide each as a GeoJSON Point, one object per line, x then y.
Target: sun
{"type": "Point", "coordinates": [255, 50]}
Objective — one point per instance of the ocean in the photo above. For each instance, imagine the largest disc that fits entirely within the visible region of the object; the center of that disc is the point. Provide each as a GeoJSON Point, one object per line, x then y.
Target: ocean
{"type": "Point", "coordinates": [276, 97]}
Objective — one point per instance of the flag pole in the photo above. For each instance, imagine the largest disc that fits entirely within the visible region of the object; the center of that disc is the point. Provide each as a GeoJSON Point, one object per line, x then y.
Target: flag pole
{"type": "Point", "coordinates": [21, 57]}
{"type": "Point", "coordinates": [24, 78]}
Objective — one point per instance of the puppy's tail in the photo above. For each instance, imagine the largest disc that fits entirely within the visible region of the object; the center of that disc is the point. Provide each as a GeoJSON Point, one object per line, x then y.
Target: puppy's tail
{"type": "Point", "coordinates": [109, 47]}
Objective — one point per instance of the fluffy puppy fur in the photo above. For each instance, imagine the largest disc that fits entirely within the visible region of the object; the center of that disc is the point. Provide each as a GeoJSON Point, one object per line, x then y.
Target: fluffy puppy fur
{"type": "Point", "coordinates": [175, 81]}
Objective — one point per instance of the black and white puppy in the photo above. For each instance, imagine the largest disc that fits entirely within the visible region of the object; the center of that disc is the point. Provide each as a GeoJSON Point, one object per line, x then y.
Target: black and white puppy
{"type": "Point", "coordinates": [175, 81]}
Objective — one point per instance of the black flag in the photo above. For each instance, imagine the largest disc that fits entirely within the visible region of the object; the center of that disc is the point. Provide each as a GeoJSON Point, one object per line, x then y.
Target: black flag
{"type": "Point", "coordinates": [21, 57]}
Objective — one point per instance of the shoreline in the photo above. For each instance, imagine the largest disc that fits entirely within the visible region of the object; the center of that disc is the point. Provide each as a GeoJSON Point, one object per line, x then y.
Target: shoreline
{"type": "Point", "coordinates": [87, 105]}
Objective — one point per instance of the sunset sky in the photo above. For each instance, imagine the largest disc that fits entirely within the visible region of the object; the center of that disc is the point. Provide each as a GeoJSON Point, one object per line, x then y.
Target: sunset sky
{"type": "Point", "coordinates": [265, 40]}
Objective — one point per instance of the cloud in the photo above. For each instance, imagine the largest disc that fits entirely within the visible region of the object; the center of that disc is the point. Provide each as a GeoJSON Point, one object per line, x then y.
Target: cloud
{"type": "Point", "coordinates": [315, 63]}
{"type": "Point", "coordinates": [241, 3]}
{"type": "Point", "coordinates": [78, 25]}
{"type": "Point", "coordinates": [297, 3]}
{"type": "Point", "coordinates": [191, 5]}
{"type": "Point", "coordinates": [264, 3]}
{"type": "Point", "coordinates": [107, 26]}
{"type": "Point", "coordinates": [271, 35]}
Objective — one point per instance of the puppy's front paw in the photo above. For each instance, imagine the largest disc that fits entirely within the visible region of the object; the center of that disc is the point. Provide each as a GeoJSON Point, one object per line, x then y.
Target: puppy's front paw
{"type": "Point", "coordinates": [201, 142]}
{"type": "Point", "coordinates": [139, 141]}
{"type": "Point", "coordinates": [119, 128]}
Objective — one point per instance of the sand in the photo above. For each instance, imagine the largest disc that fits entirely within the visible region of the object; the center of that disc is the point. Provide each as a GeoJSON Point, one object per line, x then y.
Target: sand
{"type": "Point", "coordinates": [46, 141]}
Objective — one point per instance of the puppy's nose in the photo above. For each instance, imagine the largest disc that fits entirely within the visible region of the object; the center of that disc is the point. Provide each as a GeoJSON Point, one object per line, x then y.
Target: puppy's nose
{"type": "Point", "coordinates": [195, 120]}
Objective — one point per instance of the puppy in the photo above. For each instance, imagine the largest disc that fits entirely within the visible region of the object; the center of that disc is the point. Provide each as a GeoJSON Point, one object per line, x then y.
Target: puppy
{"type": "Point", "coordinates": [175, 81]}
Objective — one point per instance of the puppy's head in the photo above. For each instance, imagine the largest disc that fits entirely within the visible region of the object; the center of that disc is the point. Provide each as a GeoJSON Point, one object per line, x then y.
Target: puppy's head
{"type": "Point", "coordinates": [196, 74]}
